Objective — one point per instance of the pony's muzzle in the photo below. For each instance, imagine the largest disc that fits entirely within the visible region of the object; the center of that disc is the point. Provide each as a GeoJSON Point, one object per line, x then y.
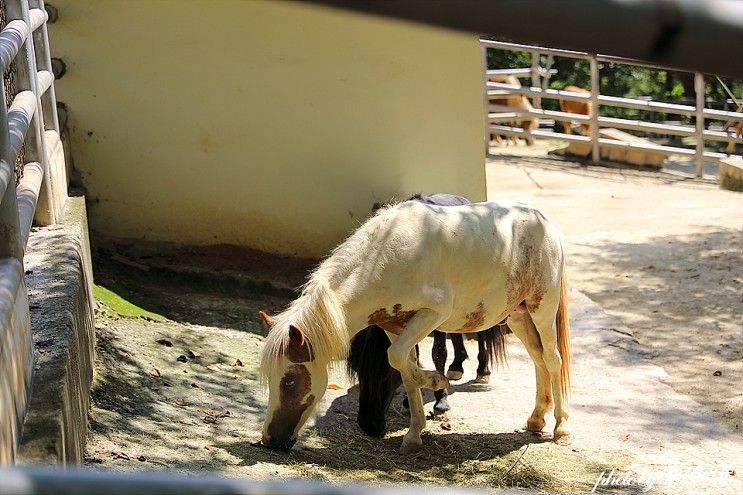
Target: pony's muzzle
{"type": "Point", "coordinates": [278, 443]}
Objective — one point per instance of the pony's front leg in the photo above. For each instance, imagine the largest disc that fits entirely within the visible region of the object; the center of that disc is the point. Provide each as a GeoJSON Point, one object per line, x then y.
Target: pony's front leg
{"type": "Point", "coordinates": [412, 441]}
{"type": "Point", "coordinates": [400, 355]}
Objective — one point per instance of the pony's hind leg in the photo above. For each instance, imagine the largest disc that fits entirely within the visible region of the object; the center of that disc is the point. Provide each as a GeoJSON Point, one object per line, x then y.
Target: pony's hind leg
{"type": "Point", "coordinates": [456, 368]}
{"type": "Point", "coordinates": [553, 344]}
{"type": "Point", "coordinates": [522, 327]}
{"type": "Point", "coordinates": [439, 355]}
{"type": "Point", "coordinates": [483, 358]}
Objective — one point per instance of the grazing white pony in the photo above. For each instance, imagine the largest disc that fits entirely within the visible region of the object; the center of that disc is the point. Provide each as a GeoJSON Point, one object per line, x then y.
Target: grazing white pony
{"type": "Point", "coordinates": [411, 269]}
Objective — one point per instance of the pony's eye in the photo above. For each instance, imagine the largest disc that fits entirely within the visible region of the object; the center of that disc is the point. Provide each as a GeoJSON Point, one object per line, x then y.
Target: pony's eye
{"type": "Point", "coordinates": [289, 383]}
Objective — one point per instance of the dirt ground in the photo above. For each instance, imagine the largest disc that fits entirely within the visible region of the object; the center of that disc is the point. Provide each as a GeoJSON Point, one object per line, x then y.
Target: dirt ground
{"type": "Point", "coordinates": [661, 255]}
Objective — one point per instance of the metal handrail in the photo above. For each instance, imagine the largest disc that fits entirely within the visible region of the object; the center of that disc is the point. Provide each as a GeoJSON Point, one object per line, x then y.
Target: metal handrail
{"type": "Point", "coordinates": [25, 124]}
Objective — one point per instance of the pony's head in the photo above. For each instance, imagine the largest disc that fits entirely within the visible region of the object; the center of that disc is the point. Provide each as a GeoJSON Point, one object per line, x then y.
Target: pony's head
{"type": "Point", "coordinates": [296, 381]}
{"type": "Point", "coordinates": [378, 381]}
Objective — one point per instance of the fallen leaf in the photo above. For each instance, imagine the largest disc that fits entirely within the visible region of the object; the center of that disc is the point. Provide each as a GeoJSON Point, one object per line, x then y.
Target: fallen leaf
{"type": "Point", "coordinates": [334, 386]}
{"type": "Point", "coordinates": [181, 359]}
{"type": "Point", "coordinates": [732, 472]}
{"type": "Point", "coordinates": [213, 413]}
{"type": "Point", "coordinates": [165, 342]}
{"type": "Point", "coordinates": [624, 438]}
{"type": "Point", "coordinates": [180, 402]}
{"type": "Point", "coordinates": [445, 426]}
{"type": "Point", "coordinates": [120, 455]}
{"type": "Point", "coordinates": [155, 372]}
{"type": "Point", "coordinates": [238, 363]}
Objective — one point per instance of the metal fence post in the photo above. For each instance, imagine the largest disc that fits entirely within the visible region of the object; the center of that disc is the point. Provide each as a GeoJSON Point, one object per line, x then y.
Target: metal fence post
{"type": "Point", "coordinates": [595, 89]}
{"type": "Point", "coordinates": [699, 129]}
{"type": "Point", "coordinates": [535, 65]}
{"type": "Point", "coordinates": [485, 99]}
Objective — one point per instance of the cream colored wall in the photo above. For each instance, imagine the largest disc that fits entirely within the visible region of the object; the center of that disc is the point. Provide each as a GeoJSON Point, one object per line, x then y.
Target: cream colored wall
{"type": "Point", "coordinates": [268, 124]}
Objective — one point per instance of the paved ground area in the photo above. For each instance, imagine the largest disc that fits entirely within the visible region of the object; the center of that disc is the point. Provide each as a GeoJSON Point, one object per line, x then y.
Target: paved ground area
{"type": "Point", "coordinates": [646, 338]}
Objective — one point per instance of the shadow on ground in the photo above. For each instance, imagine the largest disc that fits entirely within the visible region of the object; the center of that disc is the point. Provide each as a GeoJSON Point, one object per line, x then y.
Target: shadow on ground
{"type": "Point", "coordinates": [693, 283]}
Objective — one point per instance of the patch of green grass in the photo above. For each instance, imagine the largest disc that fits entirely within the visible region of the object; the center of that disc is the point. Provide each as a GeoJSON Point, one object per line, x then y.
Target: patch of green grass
{"type": "Point", "coordinates": [122, 307]}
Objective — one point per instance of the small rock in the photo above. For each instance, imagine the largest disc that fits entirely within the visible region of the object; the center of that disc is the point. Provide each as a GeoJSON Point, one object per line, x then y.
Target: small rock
{"type": "Point", "coordinates": [155, 372]}
{"type": "Point", "coordinates": [180, 402]}
{"type": "Point", "coordinates": [209, 419]}
{"type": "Point", "coordinates": [195, 385]}
{"type": "Point", "coordinates": [182, 359]}
{"type": "Point", "coordinates": [141, 458]}
{"type": "Point", "coordinates": [238, 363]}
{"type": "Point", "coordinates": [165, 342]}
{"type": "Point", "coordinates": [445, 426]}
{"type": "Point", "coordinates": [717, 373]}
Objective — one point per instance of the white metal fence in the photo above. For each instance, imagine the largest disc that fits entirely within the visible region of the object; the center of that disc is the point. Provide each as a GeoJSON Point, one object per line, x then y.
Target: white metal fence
{"type": "Point", "coordinates": [28, 128]}
{"type": "Point", "coordinates": [498, 115]}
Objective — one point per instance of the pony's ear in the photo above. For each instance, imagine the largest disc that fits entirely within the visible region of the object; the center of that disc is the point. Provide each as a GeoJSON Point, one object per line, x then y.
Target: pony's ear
{"type": "Point", "coordinates": [267, 320]}
{"type": "Point", "coordinates": [297, 348]}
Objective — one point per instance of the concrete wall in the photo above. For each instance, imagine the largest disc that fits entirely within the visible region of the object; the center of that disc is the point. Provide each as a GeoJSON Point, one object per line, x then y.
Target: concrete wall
{"type": "Point", "coordinates": [268, 124]}
{"type": "Point", "coordinates": [16, 357]}
{"type": "Point", "coordinates": [59, 280]}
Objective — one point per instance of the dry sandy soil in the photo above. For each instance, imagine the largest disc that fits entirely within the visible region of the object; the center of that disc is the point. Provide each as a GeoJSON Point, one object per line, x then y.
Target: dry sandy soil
{"type": "Point", "coordinates": [662, 256]}
{"type": "Point", "coordinates": [662, 253]}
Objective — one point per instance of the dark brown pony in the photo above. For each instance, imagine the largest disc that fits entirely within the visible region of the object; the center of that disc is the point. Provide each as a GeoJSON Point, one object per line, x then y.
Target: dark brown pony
{"type": "Point", "coordinates": [378, 381]}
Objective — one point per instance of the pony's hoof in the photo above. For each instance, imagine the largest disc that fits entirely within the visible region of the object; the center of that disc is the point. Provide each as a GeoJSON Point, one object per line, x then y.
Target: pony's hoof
{"type": "Point", "coordinates": [411, 447]}
{"type": "Point", "coordinates": [535, 425]}
{"type": "Point", "coordinates": [454, 375]}
{"type": "Point", "coordinates": [434, 380]}
{"type": "Point", "coordinates": [563, 437]}
{"type": "Point", "coordinates": [440, 407]}
{"type": "Point", "coordinates": [482, 379]}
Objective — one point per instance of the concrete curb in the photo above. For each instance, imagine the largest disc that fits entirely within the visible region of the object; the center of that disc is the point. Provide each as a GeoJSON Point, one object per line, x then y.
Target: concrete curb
{"type": "Point", "coordinates": [59, 280]}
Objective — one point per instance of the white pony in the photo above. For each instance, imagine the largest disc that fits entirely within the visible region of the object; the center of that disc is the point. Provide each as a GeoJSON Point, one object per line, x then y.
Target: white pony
{"type": "Point", "coordinates": [411, 269]}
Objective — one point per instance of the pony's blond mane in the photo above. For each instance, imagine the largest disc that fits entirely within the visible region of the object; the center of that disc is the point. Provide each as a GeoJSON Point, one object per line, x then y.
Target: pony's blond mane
{"type": "Point", "coordinates": [318, 311]}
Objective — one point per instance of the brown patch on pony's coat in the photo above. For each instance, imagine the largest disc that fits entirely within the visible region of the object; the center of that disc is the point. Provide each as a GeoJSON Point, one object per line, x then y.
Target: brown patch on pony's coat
{"type": "Point", "coordinates": [291, 410]}
{"type": "Point", "coordinates": [297, 349]}
{"type": "Point", "coordinates": [475, 320]}
{"type": "Point", "coordinates": [395, 322]}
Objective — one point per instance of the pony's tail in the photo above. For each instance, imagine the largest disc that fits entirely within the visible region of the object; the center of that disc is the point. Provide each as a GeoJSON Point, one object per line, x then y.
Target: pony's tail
{"type": "Point", "coordinates": [495, 343]}
{"type": "Point", "coordinates": [562, 321]}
